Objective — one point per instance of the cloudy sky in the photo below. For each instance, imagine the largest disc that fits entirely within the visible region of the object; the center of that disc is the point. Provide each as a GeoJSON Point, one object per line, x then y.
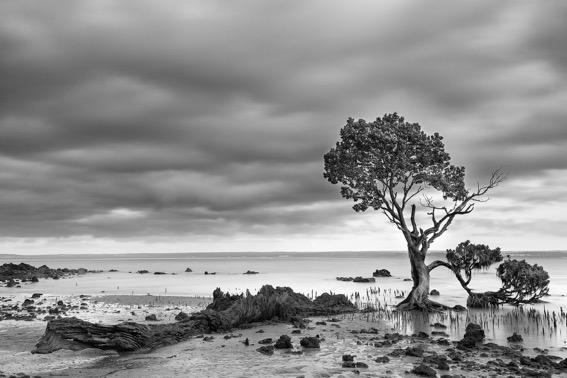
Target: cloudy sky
{"type": "Point", "coordinates": [175, 125]}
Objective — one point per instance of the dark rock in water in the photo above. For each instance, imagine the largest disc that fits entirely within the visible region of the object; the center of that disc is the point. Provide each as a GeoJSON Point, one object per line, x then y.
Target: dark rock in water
{"type": "Point", "coordinates": [310, 342]}
{"type": "Point", "coordinates": [210, 273]}
{"type": "Point", "coordinates": [346, 279]}
{"type": "Point", "coordinates": [268, 350]}
{"type": "Point", "coordinates": [439, 333]}
{"type": "Point", "coordinates": [28, 302]}
{"type": "Point", "coordinates": [281, 304]}
{"type": "Point", "coordinates": [284, 342]}
{"type": "Point", "coordinates": [434, 292]}
{"type": "Point", "coordinates": [25, 272]}
{"type": "Point", "coordinates": [246, 342]}
{"type": "Point", "coordinates": [266, 341]}
{"type": "Point", "coordinates": [151, 318]}
{"type": "Point", "coordinates": [348, 364]}
{"type": "Point", "coordinates": [159, 273]}
{"type": "Point", "coordinates": [382, 360]}
{"type": "Point", "coordinates": [414, 351]}
{"type": "Point", "coordinates": [439, 325]}
{"type": "Point", "coordinates": [515, 338]}
{"type": "Point", "coordinates": [143, 271]}
{"type": "Point", "coordinates": [361, 365]}
{"type": "Point", "coordinates": [407, 279]}
{"type": "Point", "coordinates": [459, 308]}
{"type": "Point", "coordinates": [11, 283]}
{"type": "Point", "coordinates": [348, 357]}
{"type": "Point", "coordinates": [363, 279]}
{"type": "Point", "coordinates": [188, 270]}
{"type": "Point", "coordinates": [320, 323]}
{"type": "Point", "coordinates": [182, 316]}
{"type": "Point", "coordinates": [250, 272]}
{"type": "Point", "coordinates": [208, 338]}
{"type": "Point", "coordinates": [381, 273]}
{"type": "Point", "coordinates": [424, 371]}
{"type": "Point", "coordinates": [296, 331]}
{"type": "Point", "coordinates": [474, 334]}
{"type": "Point", "coordinates": [113, 270]}
{"type": "Point", "coordinates": [36, 295]}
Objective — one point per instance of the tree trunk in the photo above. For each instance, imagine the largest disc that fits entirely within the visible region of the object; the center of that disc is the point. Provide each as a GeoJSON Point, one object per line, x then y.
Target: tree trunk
{"type": "Point", "coordinates": [418, 298]}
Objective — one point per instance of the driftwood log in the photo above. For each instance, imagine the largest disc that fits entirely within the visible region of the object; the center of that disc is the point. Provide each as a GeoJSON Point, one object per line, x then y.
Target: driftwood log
{"type": "Point", "coordinates": [225, 313]}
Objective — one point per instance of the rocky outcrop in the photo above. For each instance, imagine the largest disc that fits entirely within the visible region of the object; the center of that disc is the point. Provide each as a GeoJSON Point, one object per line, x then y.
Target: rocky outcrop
{"type": "Point", "coordinates": [250, 272]}
{"type": "Point", "coordinates": [225, 313]}
{"type": "Point", "coordinates": [381, 273]}
{"type": "Point", "coordinates": [474, 334]}
{"type": "Point", "coordinates": [23, 272]}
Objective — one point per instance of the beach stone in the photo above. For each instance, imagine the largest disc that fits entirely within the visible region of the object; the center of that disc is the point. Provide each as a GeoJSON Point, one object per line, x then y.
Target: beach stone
{"type": "Point", "coordinates": [348, 364]}
{"type": "Point", "coordinates": [182, 316]}
{"type": "Point", "coordinates": [415, 351]}
{"type": "Point", "coordinates": [36, 295]}
{"type": "Point", "coordinates": [439, 333]}
{"type": "Point", "coordinates": [296, 331]}
{"type": "Point", "coordinates": [424, 371]}
{"type": "Point", "coordinates": [266, 341]}
{"type": "Point", "coordinates": [381, 273]}
{"type": "Point", "coordinates": [434, 292]}
{"type": "Point", "coordinates": [188, 270]}
{"type": "Point", "coordinates": [515, 338]}
{"type": "Point", "coordinates": [361, 365]}
{"type": "Point", "coordinates": [346, 279]}
{"type": "Point", "coordinates": [310, 342]}
{"type": "Point", "coordinates": [459, 308]}
{"type": "Point", "coordinates": [143, 271]}
{"type": "Point", "coordinates": [151, 318]}
{"type": "Point", "coordinates": [382, 360]}
{"type": "Point", "coordinates": [268, 350]}
{"type": "Point", "coordinates": [474, 334]}
{"type": "Point", "coordinates": [250, 272]}
{"type": "Point", "coordinates": [348, 357]}
{"type": "Point", "coordinates": [320, 323]}
{"type": "Point", "coordinates": [407, 279]}
{"type": "Point", "coordinates": [28, 302]}
{"type": "Point", "coordinates": [363, 279]}
{"type": "Point", "coordinates": [159, 273]}
{"type": "Point", "coordinates": [284, 342]}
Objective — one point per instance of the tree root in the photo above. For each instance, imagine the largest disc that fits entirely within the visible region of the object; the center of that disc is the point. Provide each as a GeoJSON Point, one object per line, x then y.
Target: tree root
{"type": "Point", "coordinates": [423, 306]}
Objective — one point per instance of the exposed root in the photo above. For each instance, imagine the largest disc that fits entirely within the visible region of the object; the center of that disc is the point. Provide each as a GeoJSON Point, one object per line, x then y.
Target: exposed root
{"type": "Point", "coordinates": [423, 306]}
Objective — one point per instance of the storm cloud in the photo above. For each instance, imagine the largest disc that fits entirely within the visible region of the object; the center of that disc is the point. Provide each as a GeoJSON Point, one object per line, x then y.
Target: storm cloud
{"type": "Point", "coordinates": [202, 124]}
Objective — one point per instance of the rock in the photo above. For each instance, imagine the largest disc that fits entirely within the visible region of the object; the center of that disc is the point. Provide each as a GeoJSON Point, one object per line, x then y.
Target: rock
{"type": "Point", "coordinates": [459, 308]}
{"type": "Point", "coordinates": [188, 270]}
{"type": "Point", "coordinates": [382, 360]}
{"type": "Point", "coordinates": [151, 318]}
{"type": "Point", "coordinates": [284, 342]}
{"type": "Point", "coordinates": [434, 292]}
{"type": "Point", "coordinates": [268, 350]}
{"type": "Point", "coordinates": [439, 333]}
{"type": "Point", "coordinates": [344, 279]}
{"type": "Point", "coordinates": [424, 371]}
{"type": "Point", "coordinates": [439, 325]}
{"type": "Point", "coordinates": [159, 273]}
{"type": "Point", "coordinates": [515, 338]}
{"type": "Point", "coordinates": [348, 364]}
{"type": "Point", "coordinates": [210, 273]}
{"type": "Point", "coordinates": [414, 351]}
{"type": "Point", "coordinates": [407, 279]}
{"type": "Point", "coordinates": [208, 338]}
{"type": "Point", "coordinates": [182, 316]}
{"type": "Point", "coordinates": [320, 323]}
{"type": "Point", "coordinates": [36, 295]}
{"type": "Point", "coordinates": [296, 331]}
{"type": "Point", "coordinates": [250, 272]}
{"type": "Point", "coordinates": [34, 279]}
{"type": "Point", "coordinates": [113, 270]}
{"type": "Point", "coordinates": [266, 341]}
{"type": "Point", "coordinates": [310, 342]}
{"type": "Point", "coordinates": [442, 365]}
{"type": "Point", "coordinates": [381, 273]}
{"type": "Point", "coordinates": [143, 271]}
{"type": "Point", "coordinates": [270, 303]}
{"type": "Point", "coordinates": [28, 302]}
{"type": "Point", "coordinates": [361, 365]}
{"type": "Point", "coordinates": [363, 279]}
{"type": "Point", "coordinates": [474, 334]}
{"type": "Point", "coordinates": [348, 357]}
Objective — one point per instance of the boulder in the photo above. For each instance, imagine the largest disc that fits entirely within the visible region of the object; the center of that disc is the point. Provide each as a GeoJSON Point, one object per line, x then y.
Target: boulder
{"type": "Point", "coordinates": [363, 279]}
{"type": "Point", "coordinates": [188, 270]}
{"type": "Point", "coordinates": [250, 272]}
{"type": "Point", "coordinates": [434, 292]}
{"type": "Point", "coordinates": [36, 295]}
{"type": "Point", "coordinates": [284, 342]}
{"type": "Point", "coordinates": [266, 341]}
{"type": "Point", "coordinates": [151, 318]}
{"type": "Point", "coordinates": [515, 338]}
{"type": "Point", "coordinates": [381, 273]}
{"type": "Point", "coordinates": [424, 371]}
{"type": "Point", "coordinates": [310, 342]}
{"type": "Point", "coordinates": [182, 316]}
{"type": "Point", "coordinates": [474, 334]}
{"type": "Point", "coordinates": [268, 350]}
{"type": "Point", "coordinates": [143, 271]}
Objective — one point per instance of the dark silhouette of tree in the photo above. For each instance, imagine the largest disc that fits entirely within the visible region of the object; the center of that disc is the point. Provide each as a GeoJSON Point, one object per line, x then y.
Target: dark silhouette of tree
{"type": "Point", "coordinates": [522, 283]}
{"type": "Point", "coordinates": [384, 165]}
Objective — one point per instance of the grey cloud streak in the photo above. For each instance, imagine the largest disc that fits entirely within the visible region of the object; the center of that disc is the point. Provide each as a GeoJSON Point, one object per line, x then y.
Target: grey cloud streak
{"type": "Point", "coordinates": [211, 118]}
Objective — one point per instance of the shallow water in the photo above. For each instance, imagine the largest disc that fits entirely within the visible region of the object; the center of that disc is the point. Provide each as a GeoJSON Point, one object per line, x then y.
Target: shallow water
{"type": "Point", "coordinates": [309, 273]}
